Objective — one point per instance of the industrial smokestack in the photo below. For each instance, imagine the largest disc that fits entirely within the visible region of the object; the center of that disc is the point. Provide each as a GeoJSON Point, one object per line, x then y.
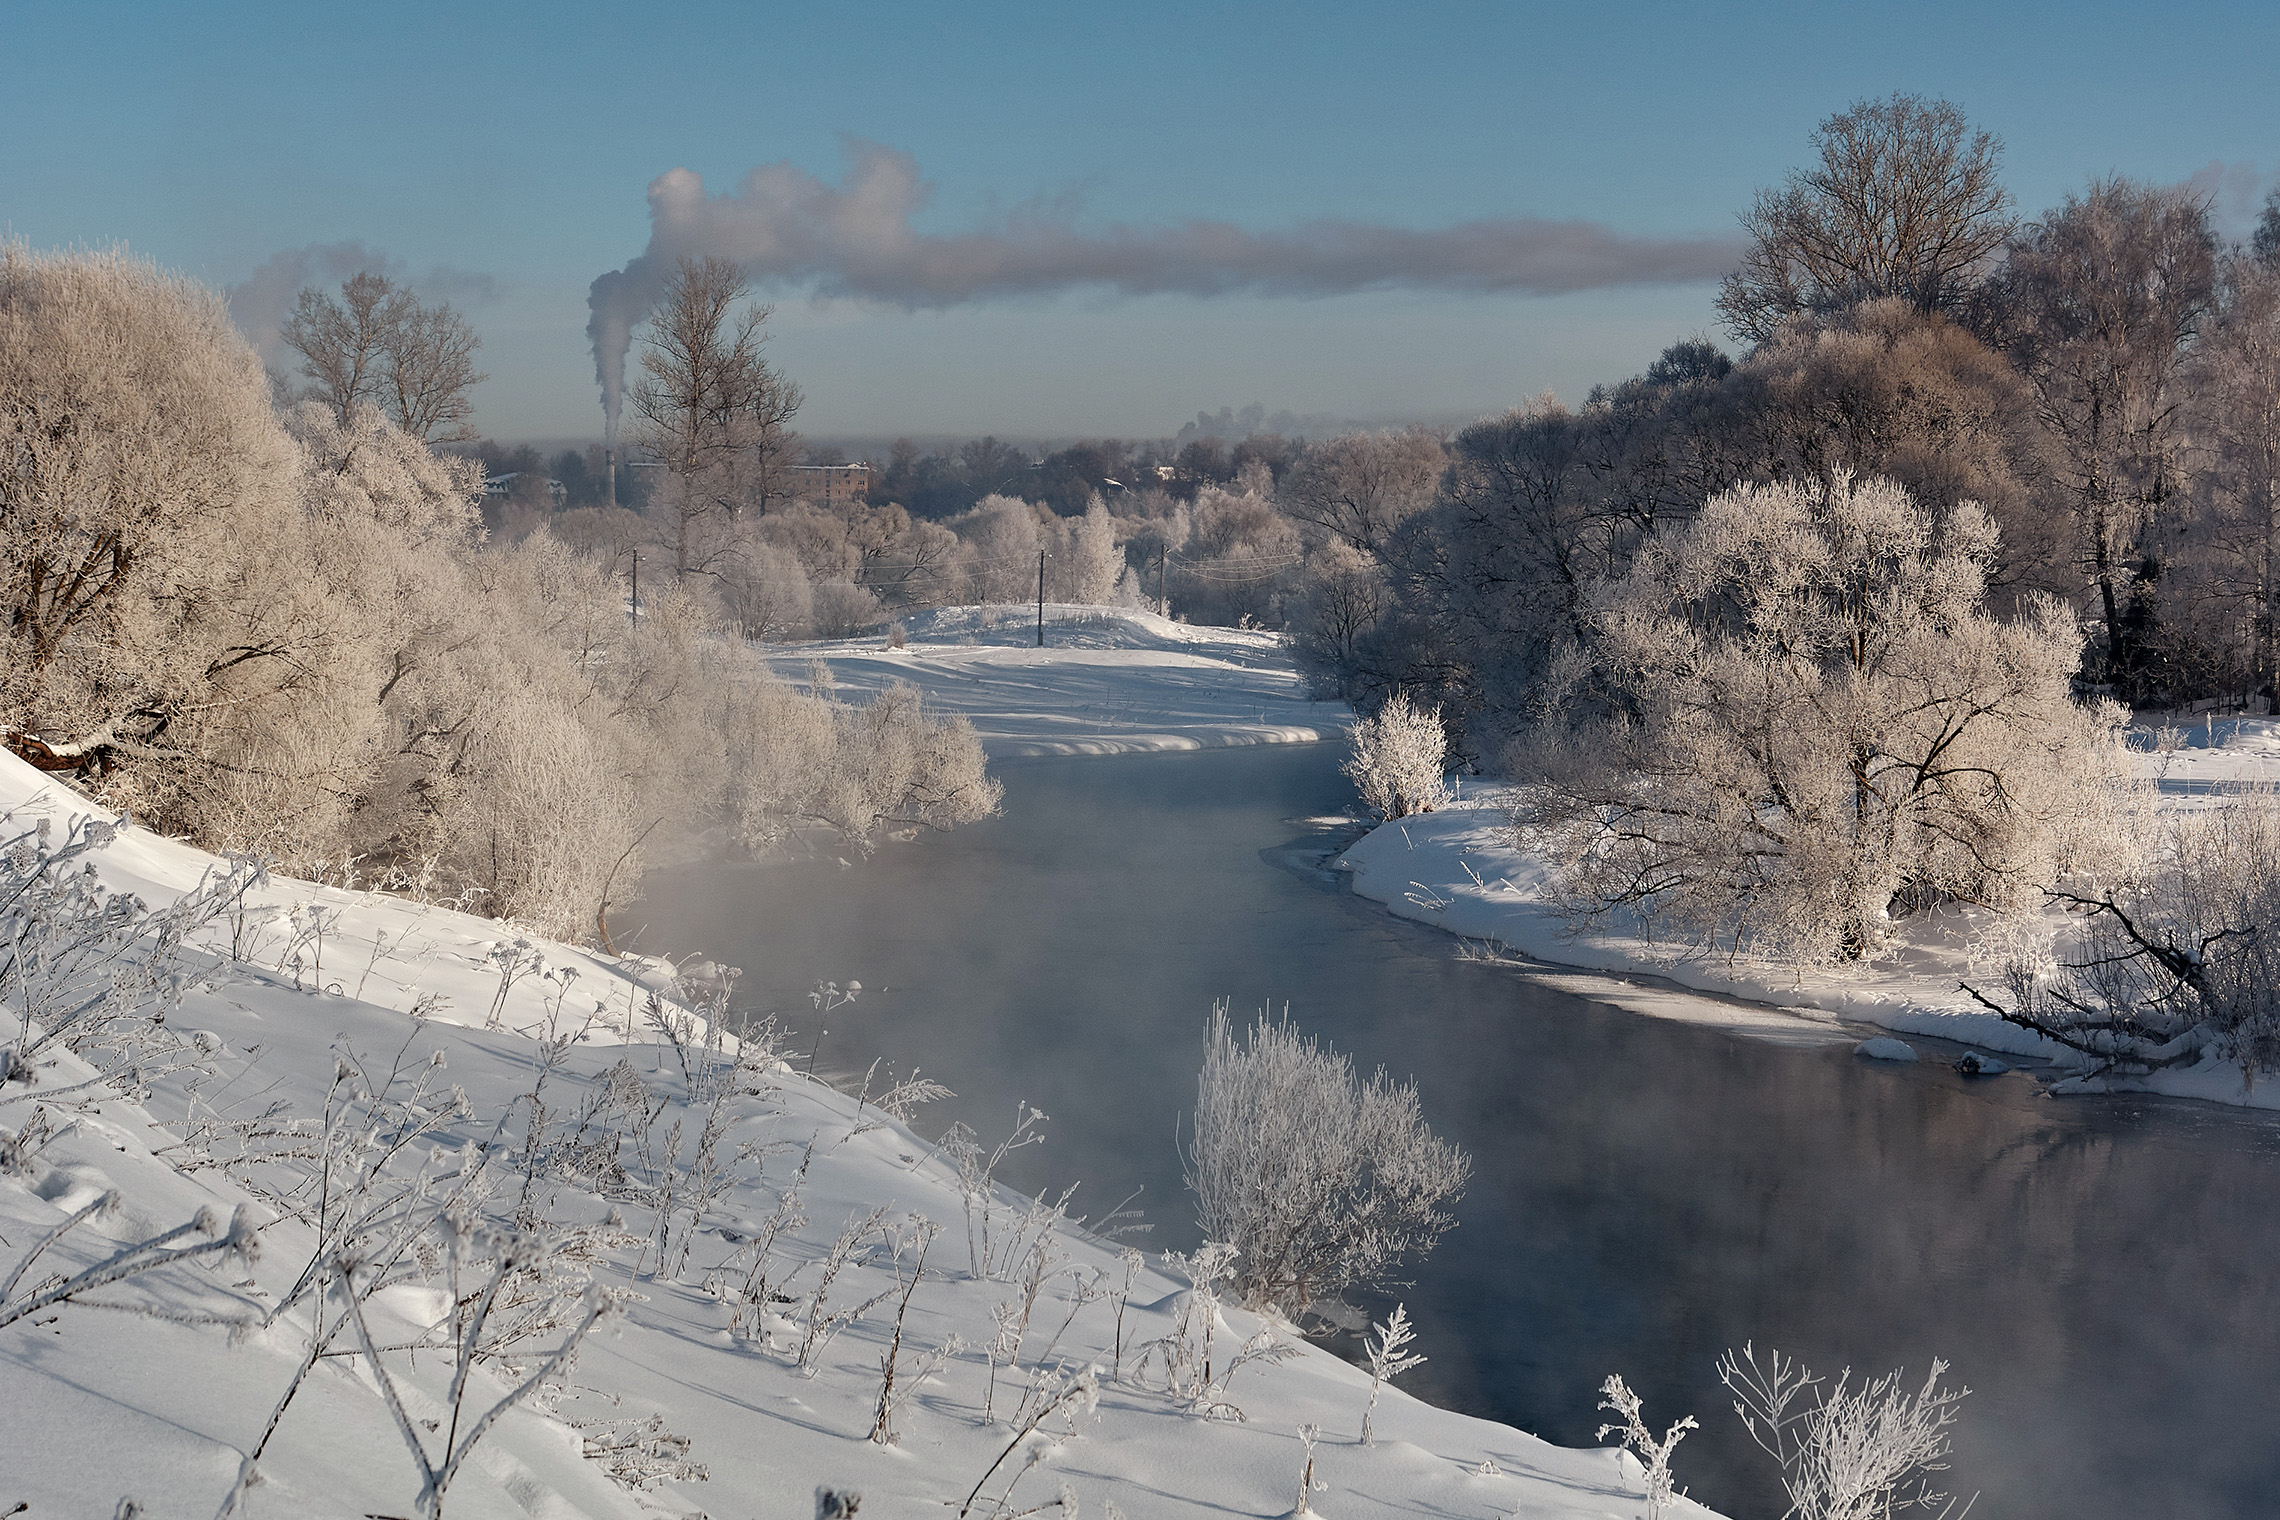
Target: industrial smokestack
{"type": "Point", "coordinates": [609, 461]}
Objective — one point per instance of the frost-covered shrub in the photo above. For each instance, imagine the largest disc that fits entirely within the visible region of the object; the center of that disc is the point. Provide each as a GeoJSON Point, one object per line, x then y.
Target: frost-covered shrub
{"type": "Point", "coordinates": [2178, 960]}
{"type": "Point", "coordinates": [1399, 759]}
{"type": "Point", "coordinates": [1847, 1451]}
{"type": "Point", "coordinates": [1385, 1350]}
{"type": "Point", "coordinates": [1793, 719]}
{"type": "Point", "coordinates": [794, 759]}
{"type": "Point", "coordinates": [766, 594]}
{"type": "Point", "coordinates": [286, 637]}
{"type": "Point", "coordinates": [1653, 1453]}
{"type": "Point", "coordinates": [1320, 1181]}
{"type": "Point", "coordinates": [842, 609]}
{"type": "Point", "coordinates": [90, 970]}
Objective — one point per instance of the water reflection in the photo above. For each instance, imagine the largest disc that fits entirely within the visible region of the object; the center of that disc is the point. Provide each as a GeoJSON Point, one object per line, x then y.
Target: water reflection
{"type": "Point", "coordinates": [1647, 1193]}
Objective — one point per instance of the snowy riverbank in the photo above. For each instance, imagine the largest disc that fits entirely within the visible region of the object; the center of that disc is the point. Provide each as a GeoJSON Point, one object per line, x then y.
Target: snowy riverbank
{"type": "Point", "coordinates": [96, 1404]}
{"type": "Point", "coordinates": [1460, 869]}
{"type": "Point", "coordinates": [1108, 680]}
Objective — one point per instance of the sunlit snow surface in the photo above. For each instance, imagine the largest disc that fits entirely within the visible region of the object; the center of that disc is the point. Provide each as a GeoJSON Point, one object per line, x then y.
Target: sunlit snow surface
{"type": "Point", "coordinates": [1107, 682]}
{"type": "Point", "coordinates": [96, 1405]}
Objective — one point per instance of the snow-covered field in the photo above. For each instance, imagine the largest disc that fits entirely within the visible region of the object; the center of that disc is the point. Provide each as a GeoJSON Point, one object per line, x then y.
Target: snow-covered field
{"type": "Point", "coordinates": [1459, 868]}
{"type": "Point", "coordinates": [1109, 681]}
{"type": "Point", "coordinates": [101, 1403]}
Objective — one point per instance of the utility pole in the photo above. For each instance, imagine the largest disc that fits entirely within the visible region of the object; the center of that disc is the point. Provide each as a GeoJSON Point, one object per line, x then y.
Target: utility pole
{"type": "Point", "coordinates": [1041, 599]}
{"type": "Point", "coordinates": [1163, 602]}
{"type": "Point", "coordinates": [635, 610]}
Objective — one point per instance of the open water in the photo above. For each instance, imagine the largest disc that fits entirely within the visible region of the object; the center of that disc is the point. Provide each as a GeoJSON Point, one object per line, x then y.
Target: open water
{"type": "Point", "coordinates": [1647, 1193]}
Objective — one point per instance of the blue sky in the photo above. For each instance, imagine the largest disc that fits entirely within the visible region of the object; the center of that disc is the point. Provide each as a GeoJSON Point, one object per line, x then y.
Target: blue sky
{"type": "Point", "coordinates": [510, 148]}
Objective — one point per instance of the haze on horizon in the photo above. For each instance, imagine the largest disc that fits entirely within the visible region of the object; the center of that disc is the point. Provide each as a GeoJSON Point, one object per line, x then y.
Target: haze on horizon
{"type": "Point", "coordinates": [1041, 226]}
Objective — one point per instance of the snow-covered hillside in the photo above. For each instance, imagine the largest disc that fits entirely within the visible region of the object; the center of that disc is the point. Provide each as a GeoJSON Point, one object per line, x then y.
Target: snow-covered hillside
{"type": "Point", "coordinates": [750, 1232]}
{"type": "Point", "coordinates": [1108, 681]}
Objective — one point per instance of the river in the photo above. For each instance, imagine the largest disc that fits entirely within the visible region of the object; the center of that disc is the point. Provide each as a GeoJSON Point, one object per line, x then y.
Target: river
{"type": "Point", "coordinates": [1646, 1192]}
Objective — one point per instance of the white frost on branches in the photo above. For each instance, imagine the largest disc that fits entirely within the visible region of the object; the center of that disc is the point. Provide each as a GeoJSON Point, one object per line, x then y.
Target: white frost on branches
{"type": "Point", "coordinates": [1399, 759]}
{"type": "Point", "coordinates": [1793, 719]}
{"type": "Point", "coordinates": [1387, 1360]}
{"type": "Point", "coordinates": [1653, 1454]}
{"type": "Point", "coordinates": [1319, 1180]}
{"type": "Point", "coordinates": [1847, 1452]}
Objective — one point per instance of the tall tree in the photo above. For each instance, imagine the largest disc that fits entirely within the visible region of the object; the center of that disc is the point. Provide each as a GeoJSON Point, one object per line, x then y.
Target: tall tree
{"type": "Point", "coordinates": [1904, 201]}
{"type": "Point", "coordinates": [378, 346]}
{"type": "Point", "coordinates": [139, 456]}
{"type": "Point", "coordinates": [1359, 487]}
{"type": "Point", "coordinates": [710, 407]}
{"type": "Point", "coordinates": [2264, 242]}
{"type": "Point", "coordinates": [341, 343]}
{"type": "Point", "coordinates": [428, 371]}
{"type": "Point", "coordinates": [2099, 304]}
{"type": "Point", "coordinates": [2236, 426]}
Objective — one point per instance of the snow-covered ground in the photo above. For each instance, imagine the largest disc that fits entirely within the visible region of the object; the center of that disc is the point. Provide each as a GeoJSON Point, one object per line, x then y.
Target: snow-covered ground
{"type": "Point", "coordinates": [101, 1403]}
{"type": "Point", "coordinates": [1460, 868]}
{"type": "Point", "coordinates": [1108, 681]}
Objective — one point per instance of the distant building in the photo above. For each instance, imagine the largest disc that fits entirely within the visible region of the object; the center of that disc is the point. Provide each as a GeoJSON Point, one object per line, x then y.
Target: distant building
{"type": "Point", "coordinates": [497, 486]}
{"type": "Point", "coordinates": [832, 485]}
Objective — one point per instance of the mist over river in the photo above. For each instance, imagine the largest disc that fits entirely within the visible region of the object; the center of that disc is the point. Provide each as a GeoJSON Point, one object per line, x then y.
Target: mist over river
{"type": "Point", "coordinates": [1646, 1192]}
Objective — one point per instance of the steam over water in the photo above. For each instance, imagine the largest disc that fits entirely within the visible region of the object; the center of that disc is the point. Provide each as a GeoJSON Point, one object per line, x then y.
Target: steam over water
{"type": "Point", "coordinates": [1646, 1193]}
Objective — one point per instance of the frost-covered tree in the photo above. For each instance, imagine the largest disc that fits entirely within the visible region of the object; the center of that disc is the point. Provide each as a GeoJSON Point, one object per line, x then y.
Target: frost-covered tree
{"type": "Point", "coordinates": [710, 408]}
{"type": "Point", "coordinates": [137, 452]}
{"type": "Point", "coordinates": [1319, 1180]}
{"type": "Point", "coordinates": [2229, 567]}
{"type": "Point", "coordinates": [2099, 304]}
{"type": "Point", "coordinates": [1399, 759]}
{"type": "Point", "coordinates": [1239, 557]}
{"type": "Point", "coordinates": [1793, 720]}
{"type": "Point", "coordinates": [1361, 486]}
{"type": "Point", "coordinates": [1343, 595]}
{"type": "Point", "coordinates": [378, 346]}
{"type": "Point", "coordinates": [2264, 242]}
{"type": "Point", "coordinates": [1882, 388]}
{"type": "Point", "coordinates": [1085, 564]}
{"type": "Point", "coordinates": [998, 550]}
{"type": "Point", "coordinates": [1905, 200]}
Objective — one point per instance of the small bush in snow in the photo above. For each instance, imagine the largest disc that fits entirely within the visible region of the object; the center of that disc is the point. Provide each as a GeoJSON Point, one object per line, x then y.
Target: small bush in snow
{"type": "Point", "coordinates": [1399, 759]}
{"type": "Point", "coordinates": [89, 970]}
{"type": "Point", "coordinates": [1387, 1361]}
{"type": "Point", "coordinates": [1196, 1366]}
{"type": "Point", "coordinates": [1653, 1454]}
{"type": "Point", "coordinates": [1846, 1452]}
{"type": "Point", "coordinates": [1319, 1180]}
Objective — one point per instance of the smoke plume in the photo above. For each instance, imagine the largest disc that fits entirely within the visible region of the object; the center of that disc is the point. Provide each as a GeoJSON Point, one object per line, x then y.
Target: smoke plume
{"type": "Point", "coordinates": [2235, 193]}
{"type": "Point", "coordinates": [787, 227]}
{"type": "Point", "coordinates": [264, 299]}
